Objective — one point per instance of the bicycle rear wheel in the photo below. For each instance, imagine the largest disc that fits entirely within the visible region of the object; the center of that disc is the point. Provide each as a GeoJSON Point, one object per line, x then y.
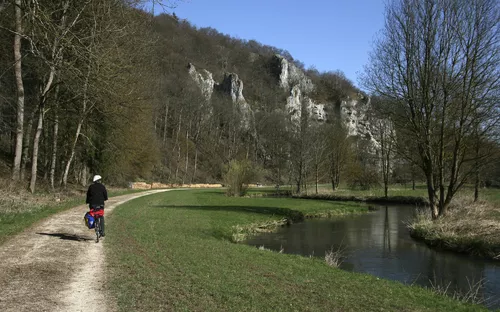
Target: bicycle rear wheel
{"type": "Point", "coordinates": [97, 229]}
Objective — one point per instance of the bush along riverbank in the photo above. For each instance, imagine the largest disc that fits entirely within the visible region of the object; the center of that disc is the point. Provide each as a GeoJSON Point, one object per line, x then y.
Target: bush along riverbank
{"type": "Point", "coordinates": [468, 227]}
{"type": "Point", "coordinates": [173, 252]}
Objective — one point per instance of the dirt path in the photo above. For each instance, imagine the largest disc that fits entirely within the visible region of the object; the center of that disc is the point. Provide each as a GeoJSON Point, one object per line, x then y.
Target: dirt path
{"type": "Point", "coordinates": [56, 265]}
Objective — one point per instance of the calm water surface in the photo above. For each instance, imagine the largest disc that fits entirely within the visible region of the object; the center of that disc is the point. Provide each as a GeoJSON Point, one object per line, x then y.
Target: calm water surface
{"type": "Point", "coordinates": [378, 243]}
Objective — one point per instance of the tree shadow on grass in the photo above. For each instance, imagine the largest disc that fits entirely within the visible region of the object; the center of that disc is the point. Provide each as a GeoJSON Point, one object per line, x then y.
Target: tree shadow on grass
{"type": "Point", "coordinates": [218, 192]}
{"type": "Point", "coordinates": [64, 236]}
{"type": "Point", "coordinates": [285, 212]}
{"type": "Point", "coordinates": [225, 233]}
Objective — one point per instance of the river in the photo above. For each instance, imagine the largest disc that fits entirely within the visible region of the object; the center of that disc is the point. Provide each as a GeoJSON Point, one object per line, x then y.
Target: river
{"type": "Point", "coordinates": [379, 243]}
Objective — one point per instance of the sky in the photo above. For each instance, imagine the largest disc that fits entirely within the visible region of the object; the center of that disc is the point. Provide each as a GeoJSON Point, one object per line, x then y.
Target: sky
{"type": "Point", "coordinates": [326, 34]}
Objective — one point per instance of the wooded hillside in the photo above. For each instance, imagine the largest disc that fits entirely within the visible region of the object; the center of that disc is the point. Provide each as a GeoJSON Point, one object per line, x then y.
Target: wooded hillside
{"type": "Point", "coordinates": [104, 87]}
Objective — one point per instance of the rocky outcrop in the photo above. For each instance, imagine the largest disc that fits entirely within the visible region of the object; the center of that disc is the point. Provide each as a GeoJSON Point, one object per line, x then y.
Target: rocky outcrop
{"type": "Point", "coordinates": [316, 111]}
{"type": "Point", "coordinates": [296, 100]}
{"type": "Point", "coordinates": [294, 104]}
{"type": "Point", "coordinates": [354, 114]}
{"type": "Point", "coordinates": [204, 80]}
{"type": "Point", "coordinates": [291, 79]}
{"type": "Point", "coordinates": [231, 85]}
{"type": "Point", "coordinates": [291, 76]}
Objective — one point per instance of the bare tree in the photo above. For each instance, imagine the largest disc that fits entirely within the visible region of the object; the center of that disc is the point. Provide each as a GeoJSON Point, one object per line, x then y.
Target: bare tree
{"type": "Point", "coordinates": [16, 168]}
{"type": "Point", "coordinates": [339, 151]}
{"type": "Point", "coordinates": [50, 49]}
{"type": "Point", "coordinates": [318, 150]}
{"type": "Point", "coordinates": [438, 61]}
{"type": "Point", "coordinates": [385, 135]}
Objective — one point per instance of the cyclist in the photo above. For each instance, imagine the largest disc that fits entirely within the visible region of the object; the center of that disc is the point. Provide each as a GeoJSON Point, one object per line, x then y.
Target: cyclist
{"type": "Point", "coordinates": [96, 195]}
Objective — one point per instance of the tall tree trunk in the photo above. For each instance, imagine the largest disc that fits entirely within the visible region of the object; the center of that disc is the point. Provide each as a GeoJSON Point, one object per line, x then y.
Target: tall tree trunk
{"type": "Point", "coordinates": [279, 180]}
{"type": "Point", "coordinates": [16, 167]}
{"type": "Point", "coordinates": [178, 145]}
{"type": "Point", "coordinates": [83, 175]}
{"type": "Point", "coordinates": [317, 174]}
{"type": "Point", "coordinates": [27, 142]}
{"type": "Point", "coordinates": [299, 175]}
{"type": "Point", "coordinates": [187, 155]}
{"type": "Point", "coordinates": [195, 164]}
{"type": "Point", "coordinates": [387, 171]}
{"type": "Point", "coordinates": [36, 141]}
{"type": "Point", "coordinates": [54, 140]}
{"type": "Point", "coordinates": [332, 174]}
{"type": "Point", "coordinates": [56, 58]}
{"type": "Point", "coordinates": [476, 169]}
{"type": "Point", "coordinates": [165, 121]}
{"type": "Point", "coordinates": [45, 160]}
{"type": "Point", "coordinates": [431, 192]}
{"type": "Point", "coordinates": [72, 153]}
{"type": "Point", "coordinates": [196, 143]}
{"type": "Point", "coordinates": [78, 128]}
{"type": "Point", "coordinates": [413, 177]}
{"type": "Point", "coordinates": [476, 186]}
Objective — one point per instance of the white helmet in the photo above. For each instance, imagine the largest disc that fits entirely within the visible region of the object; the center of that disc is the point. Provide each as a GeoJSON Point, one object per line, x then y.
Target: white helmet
{"type": "Point", "coordinates": [96, 178]}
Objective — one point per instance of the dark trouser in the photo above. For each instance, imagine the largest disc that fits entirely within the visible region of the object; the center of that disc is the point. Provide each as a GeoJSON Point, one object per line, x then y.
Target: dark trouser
{"type": "Point", "coordinates": [101, 219]}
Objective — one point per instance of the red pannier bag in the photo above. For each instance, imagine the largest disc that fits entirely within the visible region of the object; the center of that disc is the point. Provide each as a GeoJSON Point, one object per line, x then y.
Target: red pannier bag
{"type": "Point", "coordinates": [96, 213]}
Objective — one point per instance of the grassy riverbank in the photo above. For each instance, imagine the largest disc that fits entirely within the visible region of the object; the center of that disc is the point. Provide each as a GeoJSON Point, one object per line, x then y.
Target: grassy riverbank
{"type": "Point", "coordinates": [470, 228]}
{"type": "Point", "coordinates": [173, 251]}
{"type": "Point", "coordinates": [19, 209]}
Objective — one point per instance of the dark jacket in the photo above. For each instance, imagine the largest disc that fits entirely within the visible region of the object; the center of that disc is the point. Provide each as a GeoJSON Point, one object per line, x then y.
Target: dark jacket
{"type": "Point", "coordinates": [96, 195]}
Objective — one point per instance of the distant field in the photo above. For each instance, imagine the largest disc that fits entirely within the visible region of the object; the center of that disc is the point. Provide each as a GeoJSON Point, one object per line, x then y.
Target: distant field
{"type": "Point", "coordinates": [489, 194]}
{"type": "Point", "coordinates": [172, 251]}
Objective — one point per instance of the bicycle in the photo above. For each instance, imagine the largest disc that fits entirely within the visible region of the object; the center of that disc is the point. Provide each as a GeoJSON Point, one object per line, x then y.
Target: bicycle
{"type": "Point", "coordinates": [97, 222]}
{"type": "Point", "coordinates": [97, 229]}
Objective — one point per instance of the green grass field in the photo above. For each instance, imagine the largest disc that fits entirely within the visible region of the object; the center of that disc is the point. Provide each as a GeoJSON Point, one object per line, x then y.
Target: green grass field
{"type": "Point", "coordinates": [13, 223]}
{"type": "Point", "coordinates": [172, 251]}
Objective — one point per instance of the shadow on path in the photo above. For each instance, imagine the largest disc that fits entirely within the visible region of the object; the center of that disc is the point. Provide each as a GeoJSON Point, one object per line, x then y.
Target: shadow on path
{"type": "Point", "coordinates": [72, 237]}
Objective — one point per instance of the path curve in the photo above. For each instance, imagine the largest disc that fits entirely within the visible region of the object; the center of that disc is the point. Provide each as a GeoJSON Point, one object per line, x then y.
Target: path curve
{"type": "Point", "coordinates": [56, 265]}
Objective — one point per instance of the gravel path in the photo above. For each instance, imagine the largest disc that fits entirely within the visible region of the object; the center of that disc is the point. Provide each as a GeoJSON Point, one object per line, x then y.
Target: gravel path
{"type": "Point", "coordinates": [56, 265]}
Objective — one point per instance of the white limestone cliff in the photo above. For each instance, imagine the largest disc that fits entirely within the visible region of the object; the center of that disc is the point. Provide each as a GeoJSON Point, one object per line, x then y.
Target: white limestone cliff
{"type": "Point", "coordinates": [204, 80]}
{"type": "Point", "coordinates": [233, 86]}
{"type": "Point", "coordinates": [290, 75]}
{"type": "Point", "coordinates": [353, 112]}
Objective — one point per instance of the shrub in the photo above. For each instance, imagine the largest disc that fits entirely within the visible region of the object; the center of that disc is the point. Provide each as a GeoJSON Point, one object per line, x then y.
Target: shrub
{"type": "Point", "coordinates": [237, 176]}
{"type": "Point", "coordinates": [363, 179]}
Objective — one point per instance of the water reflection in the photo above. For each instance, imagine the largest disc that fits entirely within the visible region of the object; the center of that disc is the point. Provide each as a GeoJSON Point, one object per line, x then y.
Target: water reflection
{"type": "Point", "coordinates": [378, 243]}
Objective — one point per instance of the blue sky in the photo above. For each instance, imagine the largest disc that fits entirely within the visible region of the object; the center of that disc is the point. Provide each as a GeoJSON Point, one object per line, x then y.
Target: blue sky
{"type": "Point", "coordinates": [327, 34]}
